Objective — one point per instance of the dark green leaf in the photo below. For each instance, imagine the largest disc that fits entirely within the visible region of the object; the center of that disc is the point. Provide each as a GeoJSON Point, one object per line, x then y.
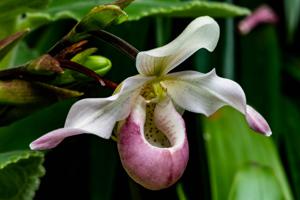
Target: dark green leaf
{"type": "Point", "coordinates": [144, 8]}
{"type": "Point", "coordinates": [292, 67]}
{"type": "Point", "coordinates": [19, 174]}
{"type": "Point", "coordinates": [103, 171]}
{"type": "Point", "coordinates": [290, 124]}
{"type": "Point", "coordinates": [260, 67]}
{"type": "Point", "coordinates": [19, 134]}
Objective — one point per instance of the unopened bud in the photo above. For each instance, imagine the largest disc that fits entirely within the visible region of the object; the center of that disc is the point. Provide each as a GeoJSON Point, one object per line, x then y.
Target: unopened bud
{"type": "Point", "coordinates": [83, 55]}
{"type": "Point", "coordinates": [21, 92]}
{"type": "Point", "coordinates": [44, 65]}
{"type": "Point", "coordinates": [18, 92]}
{"type": "Point", "coordinates": [257, 122]}
{"type": "Point", "coordinates": [99, 64]}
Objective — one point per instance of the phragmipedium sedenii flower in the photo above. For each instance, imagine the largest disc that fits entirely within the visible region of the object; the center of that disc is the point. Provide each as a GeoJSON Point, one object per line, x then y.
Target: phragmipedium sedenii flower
{"type": "Point", "coordinates": [146, 109]}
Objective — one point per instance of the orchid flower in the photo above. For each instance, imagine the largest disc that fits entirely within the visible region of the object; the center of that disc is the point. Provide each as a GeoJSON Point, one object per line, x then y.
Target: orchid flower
{"type": "Point", "coordinates": [146, 109]}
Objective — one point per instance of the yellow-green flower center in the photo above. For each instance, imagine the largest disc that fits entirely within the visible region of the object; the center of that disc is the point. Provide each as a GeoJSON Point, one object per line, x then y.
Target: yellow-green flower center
{"type": "Point", "coordinates": [153, 93]}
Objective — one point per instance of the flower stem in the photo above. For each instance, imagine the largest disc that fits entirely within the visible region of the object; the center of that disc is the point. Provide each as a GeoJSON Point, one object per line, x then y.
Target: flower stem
{"type": "Point", "coordinates": [59, 46]}
{"type": "Point", "coordinates": [13, 72]}
{"type": "Point", "coordinates": [79, 68]}
{"type": "Point", "coordinates": [116, 42]}
{"type": "Point", "coordinates": [180, 192]}
{"type": "Point", "coordinates": [228, 59]}
{"type": "Point", "coordinates": [105, 36]}
{"type": "Point", "coordinates": [71, 50]}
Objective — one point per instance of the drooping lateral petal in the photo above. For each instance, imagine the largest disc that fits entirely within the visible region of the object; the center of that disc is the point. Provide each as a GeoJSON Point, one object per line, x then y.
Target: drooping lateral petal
{"type": "Point", "coordinates": [53, 138]}
{"type": "Point", "coordinates": [151, 166]}
{"type": "Point", "coordinates": [95, 116]}
{"type": "Point", "coordinates": [204, 93]}
{"type": "Point", "coordinates": [203, 32]}
{"type": "Point", "coordinates": [99, 115]}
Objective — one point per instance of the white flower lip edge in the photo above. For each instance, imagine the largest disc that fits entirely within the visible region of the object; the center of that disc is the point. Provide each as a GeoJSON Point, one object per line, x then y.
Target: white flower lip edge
{"type": "Point", "coordinates": [190, 90]}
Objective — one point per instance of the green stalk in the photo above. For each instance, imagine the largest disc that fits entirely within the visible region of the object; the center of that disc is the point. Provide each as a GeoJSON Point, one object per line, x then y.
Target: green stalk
{"type": "Point", "coordinates": [228, 59]}
{"type": "Point", "coordinates": [180, 192]}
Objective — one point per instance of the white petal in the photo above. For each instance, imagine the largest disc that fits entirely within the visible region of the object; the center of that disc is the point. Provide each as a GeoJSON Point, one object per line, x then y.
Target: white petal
{"type": "Point", "coordinates": [99, 115]}
{"type": "Point", "coordinates": [204, 93]}
{"type": "Point", "coordinates": [203, 32]}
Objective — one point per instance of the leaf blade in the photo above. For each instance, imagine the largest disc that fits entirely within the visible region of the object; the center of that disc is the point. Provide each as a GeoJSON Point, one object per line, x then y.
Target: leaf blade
{"type": "Point", "coordinates": [19, 174]}
{"type": "Point", "coordinates": [140, 9]}
{"type": "Point", "coordinates": [227, 129]}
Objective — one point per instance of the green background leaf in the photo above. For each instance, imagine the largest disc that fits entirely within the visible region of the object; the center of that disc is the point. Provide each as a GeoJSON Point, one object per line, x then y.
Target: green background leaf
{"type": "Point", "coordinates": [144, 8]}
{"type": "Point", "coordinates": [10, 9]}
{"type": "Point", "coordinates": [255, 182]}
{"type": "Point", "coordinates": [235, 147]}
{"type": "Point", "coordinates": [61, 9]}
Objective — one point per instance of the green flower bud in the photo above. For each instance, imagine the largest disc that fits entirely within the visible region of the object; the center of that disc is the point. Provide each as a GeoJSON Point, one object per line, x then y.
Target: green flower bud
{"type": "Point", "coordinates": [99, 64]}
{"type": "Point", "coordinates": [82, 56]}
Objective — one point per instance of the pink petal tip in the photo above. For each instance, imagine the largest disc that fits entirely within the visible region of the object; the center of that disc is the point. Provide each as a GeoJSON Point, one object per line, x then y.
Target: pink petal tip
{"type": "Point", "coordinates": [257, 122]}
